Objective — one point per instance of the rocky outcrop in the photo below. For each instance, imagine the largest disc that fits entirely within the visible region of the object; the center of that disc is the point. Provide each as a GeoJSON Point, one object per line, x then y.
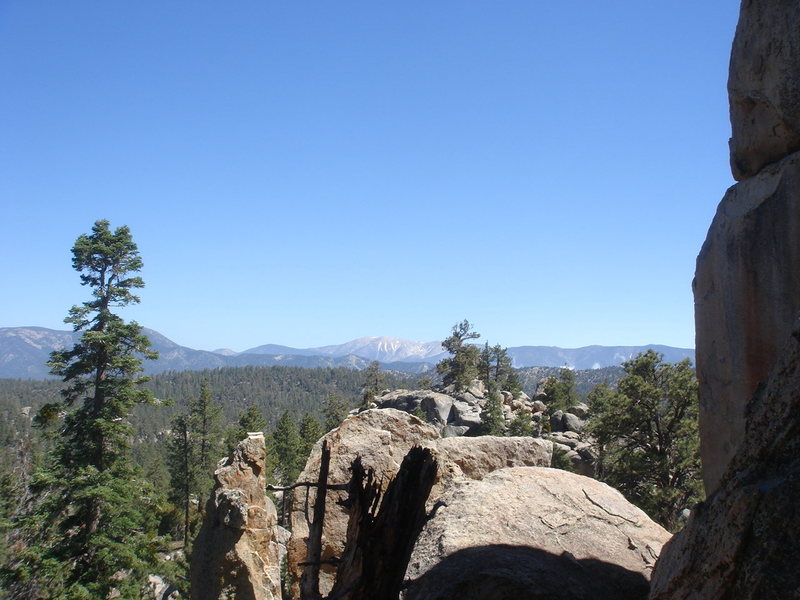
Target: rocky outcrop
{"type": "Point", "coordinates": [382, 438]}
{"type": "Point", "coordinates": [747, 295]}
{"type": "Point", "coordinates": [475, 458]}
{"type": "Point", "coordinates": [747, 288]}
{"type": "Point", "coordinates": [236, 554]}
{"type": "Point", "coordinates": [530, 532]}
{"type": "Point", "coordinates": [458, 412]}
{"type": "Point", "coordinates": [764, 85]}
{"type": "Point", "coordinates": [741, 543]}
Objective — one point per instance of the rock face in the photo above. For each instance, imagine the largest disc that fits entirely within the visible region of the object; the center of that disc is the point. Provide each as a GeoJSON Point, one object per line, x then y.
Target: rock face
{"type": "Point", "coordinates": [741, 543]}
{"type": "Point", "coordinates": [747, 295]}
{"type": "Point", "coordinates": [236, 553]}
{"type": "Point", "coordinates": [764, 85]}
{"type": "Point", "coordinates": [457, 413]}
{"type": "Point", "coordinates": [529, 532]}
{"type": "Point", "coordinates": [747, 285]}
{"type": "Point", "coordinates": [382, 438]}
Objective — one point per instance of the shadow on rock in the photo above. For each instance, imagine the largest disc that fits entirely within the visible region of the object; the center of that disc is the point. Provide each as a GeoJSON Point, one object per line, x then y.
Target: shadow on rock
{"type": "Point", "coordinates": [503, 572]}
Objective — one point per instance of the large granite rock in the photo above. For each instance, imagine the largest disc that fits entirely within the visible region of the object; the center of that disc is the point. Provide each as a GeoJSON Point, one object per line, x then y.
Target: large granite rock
{"type": "Point", "coordinates": [764, 85]}
{"type": "Point", "coordinates": [435, 406]}
{"type": "Point", "coordinates": [457, 413]}
{"type": "Point", "coordinates": [474, 458]}
{"type": "Point", "coordinates": [529, 532]}
{"type": "Point", "coordinates": [747, 288]}
{"type": "Point", "coordinates": [747, 295]}
{"type": "Point", "coordinates": [741, 543]}
{"type": "Point", "coordinates": [236, 554]}
{"type": "Point", "coordinates": [382, 438]}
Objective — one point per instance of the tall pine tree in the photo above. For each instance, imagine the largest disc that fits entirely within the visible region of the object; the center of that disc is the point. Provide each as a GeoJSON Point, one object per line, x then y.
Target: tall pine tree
{"type": "Point", "coordinates": [461, 368]}
{"type": "Point", "coordinates": [89, 531]}
{"type": "Point", "coordinates": [205, 425]}
{"type": "Point", "coordinates": [182, 469]}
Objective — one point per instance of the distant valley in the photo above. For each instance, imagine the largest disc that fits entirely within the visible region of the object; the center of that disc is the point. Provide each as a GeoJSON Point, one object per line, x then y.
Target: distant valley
{"type": "Point", "coordinates": [24, 350]}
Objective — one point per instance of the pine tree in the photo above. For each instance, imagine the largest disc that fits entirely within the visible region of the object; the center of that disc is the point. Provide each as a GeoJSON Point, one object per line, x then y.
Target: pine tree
{"type": "Point", "coordinates": [89, 531]}
{"type": "Point", "coordinates": [373, 383]}
{"type": "Point", "coordinates": [647, 437]}
{"type": "Point", "coordinates": [310, 432]}
{"type": "Point", "coordinates": [492, 421]}
{"type": "Point", "coordinates": [335, 411]}
{"type": "Point", "coordinates": [251, 419]}
{"type": "Point", "coordinates": [461, 368]}
{"type": "Point", "coordinates": [560, 392]}
{"type": "Point", "coordinates": [521, 425]}
{"type": "Point", "coordinates": [494, 364]}
{"type": "Point", "coordinates": [205, 425]}
{"type": "Point", "coordinates": [183, 469]}
{"type": "Point", "coordinates": [287, 446]}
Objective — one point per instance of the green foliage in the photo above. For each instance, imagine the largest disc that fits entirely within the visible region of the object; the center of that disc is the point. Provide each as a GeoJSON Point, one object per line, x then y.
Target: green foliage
{"type": "Point", "coordinates": [521, 425]}
{"type": "Point", "coordinates": [310, 432]}
{"type": "Point", "coordinates": [494, 364]}
{"type": "Point", "coordinates": [492, 421]}
{"type": "Point", "coordinates": [560, 392]}
{"type": "Point", "coordinates": [334, 411]}
{"type": "Point", "coordinates": [373, 383]}
{"type": "Point", "coordinates": [425, 383]}
{"type": "Point", "coordinates": [287, 445]}
{"type": "Point", "coordinates": [193, 449]}
{"type": "Point", "coordinates": [461, 368]}
{"type": "Point", "coordinates": [95, 511]}
{"type": "Point", "coordinates": [251, 419]}
{"type": "Point", "coordinates": [183, 468]}
{"type": "Point", "coordinates": [648, 438]}
{"type": "Point", "coordinates": [560, 460]}
{"type": "Point", "coordinates": [205, 425]}
{"type": "Point", "coordinates": [272, 388]}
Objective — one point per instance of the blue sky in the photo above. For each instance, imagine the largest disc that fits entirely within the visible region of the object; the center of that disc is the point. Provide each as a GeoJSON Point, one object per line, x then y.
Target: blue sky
{"type": "Point", "coordinates": [307, 173]}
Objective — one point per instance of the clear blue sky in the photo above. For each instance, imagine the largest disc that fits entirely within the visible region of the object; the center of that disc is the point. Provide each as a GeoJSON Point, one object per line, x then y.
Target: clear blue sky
{"type": "Point", "coordinates": [305, 173]}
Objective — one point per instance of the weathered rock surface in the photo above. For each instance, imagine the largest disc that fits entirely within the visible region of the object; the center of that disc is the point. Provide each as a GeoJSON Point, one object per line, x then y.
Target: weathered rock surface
{"type": "Point", "coordinates": [437, 407]}
{"type": "Point", "coordinates": [382, 438]}
{"type": "Point", "coordinates": [475, 458]}
{"type": "Point", "coordinates": [747, 295]}
{"type": "Point", "coordinates": [531, 532]}
{"type": "Point", "coordinates": [236, 553]}
{"type": "Point", "coordinates": [764, 85]}
{"type": "Point", "coordinates": [741, 543]}
{"type": "Point", "coordinates": [457, 413]}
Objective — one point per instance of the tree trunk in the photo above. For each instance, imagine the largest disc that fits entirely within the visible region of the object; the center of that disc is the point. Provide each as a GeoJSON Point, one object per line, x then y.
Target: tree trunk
{"type": "Point", "coordinates": [309, 584]}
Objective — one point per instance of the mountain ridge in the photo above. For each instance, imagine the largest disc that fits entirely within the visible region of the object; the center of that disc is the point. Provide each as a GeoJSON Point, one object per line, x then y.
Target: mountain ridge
{"type": "Point", "coordinates": [24, 350]}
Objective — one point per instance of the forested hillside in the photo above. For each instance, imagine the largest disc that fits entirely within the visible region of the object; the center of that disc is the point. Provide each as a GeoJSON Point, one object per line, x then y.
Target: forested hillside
{"type": "Point", "coordinates": [272, 389]}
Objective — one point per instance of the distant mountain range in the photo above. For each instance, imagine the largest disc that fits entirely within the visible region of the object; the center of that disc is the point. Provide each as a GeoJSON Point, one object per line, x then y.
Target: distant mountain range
{"type": "Point", "coordinates": [24, 350]}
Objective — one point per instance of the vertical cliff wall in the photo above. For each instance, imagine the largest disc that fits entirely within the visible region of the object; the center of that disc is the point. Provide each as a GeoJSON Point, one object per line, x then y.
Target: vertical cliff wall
{"type": "Point", "coordinates": [740, 544]}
